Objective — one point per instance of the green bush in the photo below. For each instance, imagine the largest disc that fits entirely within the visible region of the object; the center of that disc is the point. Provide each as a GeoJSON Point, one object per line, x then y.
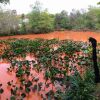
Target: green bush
{"type": "Point", "coordinates": [81, 88]}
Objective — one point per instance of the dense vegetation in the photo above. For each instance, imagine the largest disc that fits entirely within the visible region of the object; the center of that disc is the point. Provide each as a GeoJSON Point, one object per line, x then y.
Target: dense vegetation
{"type": "Point", "coordinates": [66, 67]}
{"type": "Point", "coordinates": [39, 20]}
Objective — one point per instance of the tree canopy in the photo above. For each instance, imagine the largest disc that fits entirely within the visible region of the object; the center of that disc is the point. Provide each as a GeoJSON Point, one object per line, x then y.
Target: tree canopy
{"type": "Point", "coordinates": [40, 20]}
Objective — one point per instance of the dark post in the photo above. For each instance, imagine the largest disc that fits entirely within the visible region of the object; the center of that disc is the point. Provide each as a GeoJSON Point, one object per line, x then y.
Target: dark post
{"type": "Point", "coordinates": [94, 56]}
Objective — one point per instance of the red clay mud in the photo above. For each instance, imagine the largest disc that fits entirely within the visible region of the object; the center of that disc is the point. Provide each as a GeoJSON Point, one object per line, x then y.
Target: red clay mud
{"type": "Point", "coordinates": [77, 36]}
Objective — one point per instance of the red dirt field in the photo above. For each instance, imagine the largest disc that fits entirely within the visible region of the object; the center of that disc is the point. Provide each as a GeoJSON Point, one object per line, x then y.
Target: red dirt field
{"type": "Point", "coordinates": [77, 36]}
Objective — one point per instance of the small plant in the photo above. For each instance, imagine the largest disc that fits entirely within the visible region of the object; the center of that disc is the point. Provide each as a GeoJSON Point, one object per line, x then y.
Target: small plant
{"type": "Point", "coordinates": [1, 90]}
{"type": "Point", "coordinates": [60, 67]}
{"type": "Point", "coordinates": [80, 88]}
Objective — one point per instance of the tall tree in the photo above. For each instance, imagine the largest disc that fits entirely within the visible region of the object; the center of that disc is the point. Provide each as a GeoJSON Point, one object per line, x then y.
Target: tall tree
{"type": "Point", "coordinates": [62, 20]}
{"type": "Point", "coordinates": [39, 20]}
{"type": "Point", "coordinates": [23, 26]}
{"type": "Point", "coordinates": [8, 22]}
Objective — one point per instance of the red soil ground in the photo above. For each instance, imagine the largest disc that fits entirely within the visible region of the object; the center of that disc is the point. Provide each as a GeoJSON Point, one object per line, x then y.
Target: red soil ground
{"type": "Point", "coordinates": [77, 36]}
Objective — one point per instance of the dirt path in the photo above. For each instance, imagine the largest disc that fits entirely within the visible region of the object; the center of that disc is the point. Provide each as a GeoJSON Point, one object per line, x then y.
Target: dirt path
{"type": "Point", "coordinates": [77, 36]}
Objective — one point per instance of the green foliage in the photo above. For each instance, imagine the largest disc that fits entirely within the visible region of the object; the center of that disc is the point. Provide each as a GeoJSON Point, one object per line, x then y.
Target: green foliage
{"type": "Point", "coordinates": [1, 89]}
{"type": "Point", "coordinates": [81, 88]}
{"type": "Point", "coordinates": [8, 22]}
{"type": "Point", "coordinates": [62, 21]}
{"type": "Point", "coordinates": [23, 24]}
{"type": "Point", "coordinates": [81, 20]}
{"type": "Point", "coordinates": [12, 98]}
{"type": "Point", "coordinates": [77, 20]}
{"type": "Point", "coordinates": [95, 15]}
{"type": "Point", "coordinates": [74, 84]}
{"type": "Point", "coordinates": [40, 21]}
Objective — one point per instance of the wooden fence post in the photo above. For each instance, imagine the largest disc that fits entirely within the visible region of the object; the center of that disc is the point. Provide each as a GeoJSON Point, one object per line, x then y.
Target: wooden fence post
{"type": "Point", "coordinates": [93, 41]}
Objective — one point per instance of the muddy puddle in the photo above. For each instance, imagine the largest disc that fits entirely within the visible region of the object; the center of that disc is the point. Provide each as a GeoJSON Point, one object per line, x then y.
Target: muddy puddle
{"type": "Point", "coordinates": [6, 77]}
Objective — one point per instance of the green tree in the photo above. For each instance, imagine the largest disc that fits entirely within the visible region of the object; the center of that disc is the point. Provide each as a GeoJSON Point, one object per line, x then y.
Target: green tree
{"type": "Point", "coordinates": [23, 26]}
{"type": "Point", "coordinates": [94, 12]}
{"type": "Point", "coordinates": [81, 20]}
{"type": "Point", "coordinates": [8, 22]}
{"type": "Point", "coordinates": [62, 20]}
{"type": "Point", "coordinates": [40, 21]}
{"type": "Point", "coordinates": [76, 19]}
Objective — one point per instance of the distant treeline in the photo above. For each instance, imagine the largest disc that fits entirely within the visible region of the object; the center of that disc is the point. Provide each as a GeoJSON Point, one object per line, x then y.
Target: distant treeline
{"type": "Point", "coordinates": [41, 21]}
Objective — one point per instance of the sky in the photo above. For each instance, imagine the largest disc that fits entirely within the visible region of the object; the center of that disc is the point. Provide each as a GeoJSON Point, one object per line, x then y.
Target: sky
{"type": "Point", "coordinates": [53, 6]}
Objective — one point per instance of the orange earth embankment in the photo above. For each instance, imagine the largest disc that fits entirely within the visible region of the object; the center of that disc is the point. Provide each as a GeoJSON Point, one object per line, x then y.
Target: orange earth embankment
{"type": "Point", "coordinates": [77, 36]}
